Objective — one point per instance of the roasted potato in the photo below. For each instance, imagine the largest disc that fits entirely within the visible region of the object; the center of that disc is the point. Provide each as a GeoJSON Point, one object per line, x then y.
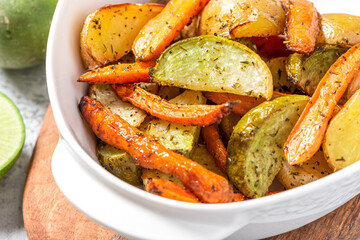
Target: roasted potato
{"type": "Point", "coordinates": [215, 64]}
{"type": "Point", "coordinates": [242, 18]}
{"type": "Point", "coordinates": [119, 163]}
{"type": "Point", "coordinates": [108, 33]}
{"type": "Point", "coordinates": [255, 153]}
{"type": "Point", "coordinates": [339, 28]}
{"type": "Point", "coordinates": [342, 140]}
{"type": "Point", "coordinates": [295, 176]}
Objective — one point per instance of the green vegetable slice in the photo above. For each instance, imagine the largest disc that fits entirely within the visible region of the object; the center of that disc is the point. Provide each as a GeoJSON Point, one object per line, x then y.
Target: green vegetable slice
{"type": "Point", "coordinates": [306, 72]}
{"type": "Point", "coordinates": [119, 163]}
{"type": "Point", "coordinates": [255, 149]}
{"type": "Point", "coordinates": [12, 134]}
{"type": "Point", "coordinates": [215, 64]}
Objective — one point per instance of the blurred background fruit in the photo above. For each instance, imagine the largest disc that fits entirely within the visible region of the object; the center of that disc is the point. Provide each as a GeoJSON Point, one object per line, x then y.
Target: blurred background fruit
{"type": "Point", "coordinates": [24, 28]}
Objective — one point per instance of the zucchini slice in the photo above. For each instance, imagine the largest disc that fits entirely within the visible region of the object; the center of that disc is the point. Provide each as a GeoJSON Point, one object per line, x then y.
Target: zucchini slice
{"type": "Point", "coordinates": [255, 149]}
{"type": "Point", "coordinates": [214, 64]}
{"type": "Point", "coordinates": [119, 163]}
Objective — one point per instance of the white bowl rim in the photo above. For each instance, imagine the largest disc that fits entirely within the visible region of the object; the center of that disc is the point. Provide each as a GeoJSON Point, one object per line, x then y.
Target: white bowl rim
{"type": "Point", "coordinates": [77, 150]}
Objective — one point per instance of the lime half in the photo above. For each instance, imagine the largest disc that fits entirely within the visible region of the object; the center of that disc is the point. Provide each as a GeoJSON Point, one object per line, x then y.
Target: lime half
{"type": "Point", "coordinates": [12, 134]}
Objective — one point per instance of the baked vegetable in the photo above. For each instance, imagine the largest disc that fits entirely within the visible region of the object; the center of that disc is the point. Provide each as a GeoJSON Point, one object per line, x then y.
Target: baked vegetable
{"type": "Point", "coordinates": [160, 31]}
{"type": "Point", "coordinates": [281, 82]}
{"type": "Point", "coordinates": [342, 140]}
{"type": "Point", "coordinates": [119, 163]}
{"type": "Point", "coordinates": [307, 71]}
{"type": "Point", "coordinates": [215, 64]}
{"type": "Point", "coordinates": [245, 103]}
{"type": "Point", "coordinates": [170, 190]}
{"type": "Point", "coordinates": [242, 18]}
{"type": "Point", "coordinates": [215, 146]}
{"type": "Point", "coordinates": [108, 33]}
{"type": "Point", "coordinates": [295, 176]}
{"type": "Point", "coordinates": [255, 153]}
{"type": "Point", "coordinates": [339, 28]}
{"type": "Point", "coordinates": [174, 136]}
{"type": "Point", "coordinates": [302, 25]}
{"type": "Point", "coordinates": [119, 74]}
{"type": "Point", "coordinates": [227, 125]}
{"type": "Point", "coordinates": [104, 94]}
{"type": "Point", "coordinates": [148, 153]}
{"type": "Point", "coordinates": [201, 115]}
{"type": "Point", "coordinates": [201, 155]}
{"type": "Point", "coordinates": [354, 85]}
{"type": "Point", "coordinates": [306, 137]}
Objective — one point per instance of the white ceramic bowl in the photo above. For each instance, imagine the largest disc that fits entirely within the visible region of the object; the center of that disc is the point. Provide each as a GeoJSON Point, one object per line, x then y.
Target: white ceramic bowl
{"type": "Point", "coordinates": [137, 214]}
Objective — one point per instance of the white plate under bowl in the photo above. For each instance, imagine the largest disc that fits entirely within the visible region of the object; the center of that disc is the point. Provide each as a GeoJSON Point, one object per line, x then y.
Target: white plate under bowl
{"type": "Point", "coordinates": [136, 214]}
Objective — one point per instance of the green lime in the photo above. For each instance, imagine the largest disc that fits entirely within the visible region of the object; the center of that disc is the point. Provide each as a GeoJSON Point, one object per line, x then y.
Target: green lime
{"type": "Point", "coordinates": [12, 133]}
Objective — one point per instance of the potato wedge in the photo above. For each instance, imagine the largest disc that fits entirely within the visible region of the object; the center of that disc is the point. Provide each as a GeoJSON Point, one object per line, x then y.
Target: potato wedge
{"type": "Point", "coordinates": [307, 71]}
{"type": "Point", "coordinates": [108, 33]}
{"type": "Point", "coordinates": [174, 136]}
{"type": "Point", "coordinates": [339, 28]}
{"type": "Point", "coordinates": [242, 18]}
{"type": "Point", "coordinates": [255, 153]}
{"type": "Point", "coordinates": [342, 141]}
{"type": "Point", "coordinates": [295, 176]}
{"type": "Point", "coordinates": [214, 64]}
{"type": "Point", "coordinates": [119, 163]}
{"type": "Point", "coordinates": [281, 82]}
{"type": "Point", "coordinates": [104, 94]}
{"type": "Point", "coordinates": [258, 18]}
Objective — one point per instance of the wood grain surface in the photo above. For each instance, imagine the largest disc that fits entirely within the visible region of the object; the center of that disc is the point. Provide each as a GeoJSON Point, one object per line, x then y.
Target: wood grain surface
{"type": "Point", "coordinates": [48, 215]}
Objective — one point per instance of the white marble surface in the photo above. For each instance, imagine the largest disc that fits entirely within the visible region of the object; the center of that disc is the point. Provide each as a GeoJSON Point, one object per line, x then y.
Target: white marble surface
{"type": "Point", "coordinates": [27, 88]}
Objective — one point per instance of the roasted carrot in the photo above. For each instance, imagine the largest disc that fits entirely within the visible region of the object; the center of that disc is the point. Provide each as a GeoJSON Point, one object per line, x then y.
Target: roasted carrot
{"type": "Point", "coordinates": [160, 31]}
{"type": "Point", "coordinates": [202, 115]}
{"type": "Point", "coordinates": [306, 137]}
{"type": "Point", "coordinates": [119, 73]}
{"type": "Point", "coordinates": [239, 197]}
{"type": "Point", "coordinates": [302, 25]}
{"type": "Point", "coordinates": [170, 190]}
{"type": "Point", "coordinates": [245, 103]}
{"type": "Point", "coordinates": [148, 153]}
{"type": "Point", "coordinates": [215, 146]}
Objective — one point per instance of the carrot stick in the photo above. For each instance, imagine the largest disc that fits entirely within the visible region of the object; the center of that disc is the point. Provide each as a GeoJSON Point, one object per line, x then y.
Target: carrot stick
{"type": "Point", "coordinates": [239, 197]}
{"type": "Point", "coordinates": [302, 25]}
{"type": "Point", "coordinates": [306, 137]}
{"type": "Point", "coordinates": [170, 190]}
{"type": "Point", "coordinates": [215, 146]}
{"type": "Point", "coordinates": [161, 30]}
{"type": "Point", "coordinates": [202, 115]}
{"type": "Point", "coordinates": [245, 103]}
{"type": "Point", "coordinates": [148, 153]}
{"type": "Point", "coordinates": [119, 73]}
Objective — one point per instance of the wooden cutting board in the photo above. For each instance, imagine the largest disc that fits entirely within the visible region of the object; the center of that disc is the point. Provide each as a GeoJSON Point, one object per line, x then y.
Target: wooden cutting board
{"type": "Point", "coordinates": [48, 215]}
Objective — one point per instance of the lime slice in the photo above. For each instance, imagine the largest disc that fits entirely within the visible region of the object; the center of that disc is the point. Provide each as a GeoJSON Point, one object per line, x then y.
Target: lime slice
{"type": "Point", "coordinates": [12, 134]}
